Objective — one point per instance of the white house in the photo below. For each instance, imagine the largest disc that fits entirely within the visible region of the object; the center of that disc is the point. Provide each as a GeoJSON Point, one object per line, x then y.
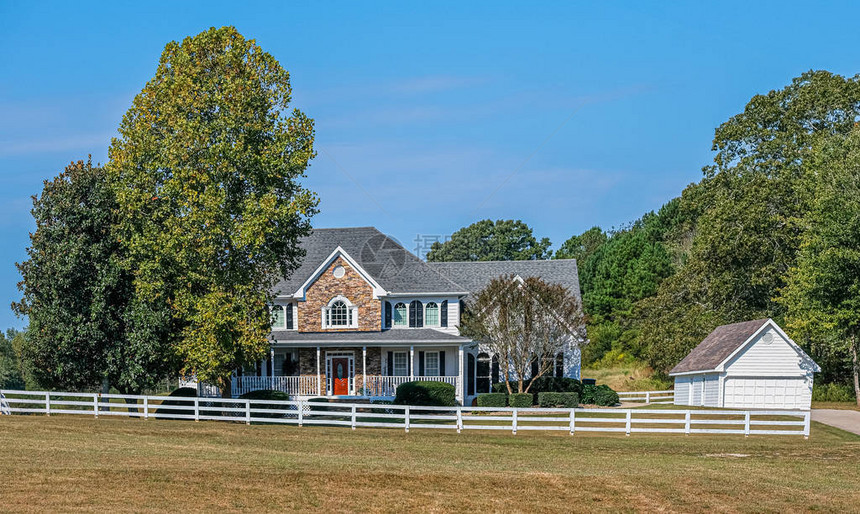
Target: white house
{"type": "Point", "coordinates": [752, 364]}
{"type": "Point", "coordinates": [362, 315]}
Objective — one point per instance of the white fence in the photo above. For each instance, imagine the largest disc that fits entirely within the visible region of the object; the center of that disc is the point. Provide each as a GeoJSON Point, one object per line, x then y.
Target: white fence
{"type": "Point", "coordinates": [457, 419]}
{"type": "Point", "coordinates": [647, 397]}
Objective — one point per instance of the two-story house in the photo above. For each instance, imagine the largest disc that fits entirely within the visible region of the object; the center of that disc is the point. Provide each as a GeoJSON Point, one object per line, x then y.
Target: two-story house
{"type": "Point", "coordinates": [362, 315]}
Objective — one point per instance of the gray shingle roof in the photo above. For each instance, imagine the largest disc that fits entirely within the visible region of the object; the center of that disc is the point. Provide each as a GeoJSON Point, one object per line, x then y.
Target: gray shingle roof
{"type": "Point", "coordinates": [395, 269]}
{"type": "Point", "coordinates": [392, 336]}
{"type": "Point", "coordinates": [474, 276]}
{"type": "Point", "coordinates": [719, 344]}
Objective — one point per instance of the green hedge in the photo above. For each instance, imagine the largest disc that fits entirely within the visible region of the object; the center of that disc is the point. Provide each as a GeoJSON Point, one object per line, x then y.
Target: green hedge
{"type": "Point", "coordinates": [267, 394]}
{"type": "Point", "coordinates": [521, 400]}
{"type": "Point", "coordinates": [546, 384]}
{"type": "Point", "coordinates": [832, 393]}
{"type": "Point", "coordinates": [550, 399]}
{"type": "Point", "coordinates": [492, 400]}
{"type": "Point", "coordinates": [426, 393]}
{"type": "Point", "coordinates": [601, 395]}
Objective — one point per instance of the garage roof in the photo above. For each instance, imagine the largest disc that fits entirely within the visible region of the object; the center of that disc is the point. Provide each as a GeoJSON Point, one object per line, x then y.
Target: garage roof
{"type": "Point", "coordinates": [718, 346]}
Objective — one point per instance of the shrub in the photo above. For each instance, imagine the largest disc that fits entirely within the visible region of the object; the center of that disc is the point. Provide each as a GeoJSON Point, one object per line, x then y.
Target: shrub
{"type": "Point", "coordinates": [521, 400]}
{"type": "Point", "coordinates": [832, 393]}
{"type": "Point", "coordinates": [546, 384]}
{"type": "Point", "coordinates": [427, 393]}
{"type": "Point", "coordinates": [182, 392]}
{"type": "Point", "coordinates": [598, 395]}
{"type": "Point", "coordinates": [551, 399]}
{"type": "Point", "coordinates": [492, 400]}
{"type": "Point", "coordinates": [267, 394]}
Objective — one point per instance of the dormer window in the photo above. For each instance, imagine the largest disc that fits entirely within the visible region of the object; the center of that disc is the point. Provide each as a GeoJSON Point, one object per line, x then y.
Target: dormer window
{"type": "Point", "coordinates": [340, 313]}
{"type": "Point", "coordinates": [400, 315]}
{"type": "Point", "coordinates": [431, 314]}
{"type": "Point", "coordinates": [282, 317]}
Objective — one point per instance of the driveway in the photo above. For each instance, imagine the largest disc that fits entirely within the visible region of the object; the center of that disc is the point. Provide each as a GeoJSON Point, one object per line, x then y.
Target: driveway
{"type": "Point", "coordinates": [845, 419]}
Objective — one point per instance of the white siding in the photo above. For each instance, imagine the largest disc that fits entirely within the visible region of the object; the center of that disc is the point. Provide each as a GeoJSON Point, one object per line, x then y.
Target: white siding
{"type": "Point", "coordinates": [682, 390]}
{"type": "Point", "coordinates": [777, 358]}
{"type": "Point", "coordinates": [712, 390]}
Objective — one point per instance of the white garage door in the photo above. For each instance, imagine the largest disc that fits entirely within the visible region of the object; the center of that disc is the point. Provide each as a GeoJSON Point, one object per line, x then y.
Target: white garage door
{"type": "Point", "coordinates": [768, 393]}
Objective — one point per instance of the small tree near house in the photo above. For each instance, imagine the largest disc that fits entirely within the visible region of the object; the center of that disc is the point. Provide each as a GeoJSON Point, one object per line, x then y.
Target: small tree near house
{"type": "Point", "coordinates": [524, 321]}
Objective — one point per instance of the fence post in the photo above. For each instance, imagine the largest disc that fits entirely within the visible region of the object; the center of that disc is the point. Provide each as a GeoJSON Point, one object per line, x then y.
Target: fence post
{"type": "Point", "coordinates": [572, 421]}
{"type": "Point", "coordinates": [47, 404]}
{"type": "Point", "coordinates": [747, 424]}
{"type": "Point", "coordinates": [146, 407]}
{"type": "Point", "coordinates": [647, 397]}
{"type": "Point", "coordinates": [514, 422]}
{"type": "Point", "coordinates": [806, 417]}
{"type": "Point", "coordinates": [406, 418]}
{"type": "Point", "coordinates": [197, 409]}
{"type": "Point", "coordinates": [247, 412]}
{"type": "Point", "coordinates": [96, 405]}
{"type": "Point", "coordinates": [687, 423]}
{"type": "Point", "coordinates": [629, 416]}
{"type": "Point", "coordinates": [353, 417]}
{"type": "Point", "coordinates": [301, 411]}
{"type": "Point", "coordinates": [459, 419]}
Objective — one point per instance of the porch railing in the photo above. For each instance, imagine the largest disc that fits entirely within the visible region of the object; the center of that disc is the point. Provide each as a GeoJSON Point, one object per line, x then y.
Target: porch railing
{"type": "Point", "coordinates": [299, 386]}
{"type": "Point", "coordinates": [307, 385]}
{"type": "Point", "coordinates": [387, 385]}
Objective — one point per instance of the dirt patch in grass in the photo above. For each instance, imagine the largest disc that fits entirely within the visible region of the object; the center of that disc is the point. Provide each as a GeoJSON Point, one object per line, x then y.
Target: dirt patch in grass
{"type": "Point", "coordinates": [65, 463]}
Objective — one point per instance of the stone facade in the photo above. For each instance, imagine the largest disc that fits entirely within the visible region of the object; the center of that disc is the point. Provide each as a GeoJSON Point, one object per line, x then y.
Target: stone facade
{"type": "Point", "coordinates": [353, 287]}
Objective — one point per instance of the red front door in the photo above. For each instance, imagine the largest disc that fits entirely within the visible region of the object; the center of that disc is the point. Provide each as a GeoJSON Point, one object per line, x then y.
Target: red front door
{"type": "Point", "coordinates": [340, 375]}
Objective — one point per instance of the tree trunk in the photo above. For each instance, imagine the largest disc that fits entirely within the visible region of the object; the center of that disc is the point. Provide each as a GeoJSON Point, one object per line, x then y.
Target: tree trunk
{"type": "Point", "coordinates": [225, 384]}
{"type": "Point", "coordinates": [855, 368]}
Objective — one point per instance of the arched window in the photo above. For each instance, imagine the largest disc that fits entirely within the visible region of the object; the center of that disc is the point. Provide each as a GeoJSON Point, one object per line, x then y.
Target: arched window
{"type": "Point", "coordinates": [431, 314]}
{"type": "Point", "coordinates": [416, 314]}
{"type": "Point", "coordinates": [340, 314]}
{"type": "Point", "coordinates": [400, 315]}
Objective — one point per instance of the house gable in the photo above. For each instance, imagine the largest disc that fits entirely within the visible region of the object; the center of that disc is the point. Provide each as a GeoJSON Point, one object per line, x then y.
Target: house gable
{"type": "Point", "coordinates": [769, 352]}
{"type": "Point", "coordinates": [328, 285]}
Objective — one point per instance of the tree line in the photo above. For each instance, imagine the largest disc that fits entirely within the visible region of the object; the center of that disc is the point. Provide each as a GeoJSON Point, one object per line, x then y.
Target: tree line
{"type": "Point", "coordinates": [771, 230]}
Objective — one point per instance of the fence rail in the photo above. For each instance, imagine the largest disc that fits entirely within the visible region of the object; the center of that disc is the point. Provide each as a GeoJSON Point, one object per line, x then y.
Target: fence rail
{"type": "Point", "coordinates": [647, 397]}
{"type": "Point", "coordinates": [296, 412]}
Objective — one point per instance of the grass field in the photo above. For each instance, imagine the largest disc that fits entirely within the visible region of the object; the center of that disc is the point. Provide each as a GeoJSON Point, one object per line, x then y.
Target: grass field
{"type": "Point", "coordinates": [63, 463]}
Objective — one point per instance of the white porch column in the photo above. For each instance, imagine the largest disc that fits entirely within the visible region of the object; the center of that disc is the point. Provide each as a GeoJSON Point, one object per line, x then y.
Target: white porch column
{"type": "Point", "coordinates": [272, 360]}
{"type": "Point", "coordinates": [411, 362]}
{"type": "Point", "coordinates": [364, 370]}
{"type": "Point", "coordinates": [461, 390]}
{"type": "Point", "coordinates": [319, 378]}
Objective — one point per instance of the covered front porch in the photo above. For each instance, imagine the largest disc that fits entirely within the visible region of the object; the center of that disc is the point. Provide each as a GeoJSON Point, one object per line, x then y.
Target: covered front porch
{"type": "Point", "coordinates": [352, 371]}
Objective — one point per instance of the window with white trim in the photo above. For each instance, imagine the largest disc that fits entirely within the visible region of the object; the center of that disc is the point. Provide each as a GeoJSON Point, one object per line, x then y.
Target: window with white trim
{"type": "Point", "coordinates": [431, 364]}
{"type": "Point", "coordinates": [279, 318]}
{"type": "Point", "coordinates": [431, 314]}
{"type": "Point", "coordinates": [400, 315]}
{"type": "Point", "coordinates": [401, 364]}
{"type": "Point", "coordinates": [340, 313]}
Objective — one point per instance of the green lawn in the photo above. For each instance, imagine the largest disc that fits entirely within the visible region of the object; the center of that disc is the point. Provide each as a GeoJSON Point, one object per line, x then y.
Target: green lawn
{"type": "Point", "coordinates": [63, 463]}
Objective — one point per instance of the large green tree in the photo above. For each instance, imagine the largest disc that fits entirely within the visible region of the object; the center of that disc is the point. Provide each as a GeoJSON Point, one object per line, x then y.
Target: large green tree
{"type": "Point", "coordinates": [822, 295]}
{"type": "Point", "coordinates": [745, 238]}
{"type": "Point", "coordinates": [78, 298]}
{"type": "Point", "coordinates": [487, 240]}
{"type": "Point", "coordinates": [206, 172]}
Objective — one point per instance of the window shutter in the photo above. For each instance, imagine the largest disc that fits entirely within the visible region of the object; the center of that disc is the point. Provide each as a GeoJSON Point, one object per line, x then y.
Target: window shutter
{"type": "Point", "coordinates": [419, 310]}
{"type": "Point", "coordinates": [413, 317]}
{"type": "Point", "coordinates": [289, 309]}
{"type": "Point", "coordinates": [387, 314]}
{"type": "Point", "coordinates": [442, 363]}
{"type": "Point", "coordinates": [421, 364]}
{"type": "Point", "coordinates": [443, 314]}
{"type": "Point", "coordinates": [390, 364]}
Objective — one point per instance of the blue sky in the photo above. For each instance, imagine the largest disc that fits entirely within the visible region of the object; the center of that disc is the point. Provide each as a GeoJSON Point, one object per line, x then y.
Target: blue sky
{"type": "Point", "coordinates": [430, 117]}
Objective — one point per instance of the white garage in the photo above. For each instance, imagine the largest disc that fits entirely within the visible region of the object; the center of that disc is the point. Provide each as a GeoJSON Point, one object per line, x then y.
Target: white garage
{"type": "Point", "coordinates": [750, 365]}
